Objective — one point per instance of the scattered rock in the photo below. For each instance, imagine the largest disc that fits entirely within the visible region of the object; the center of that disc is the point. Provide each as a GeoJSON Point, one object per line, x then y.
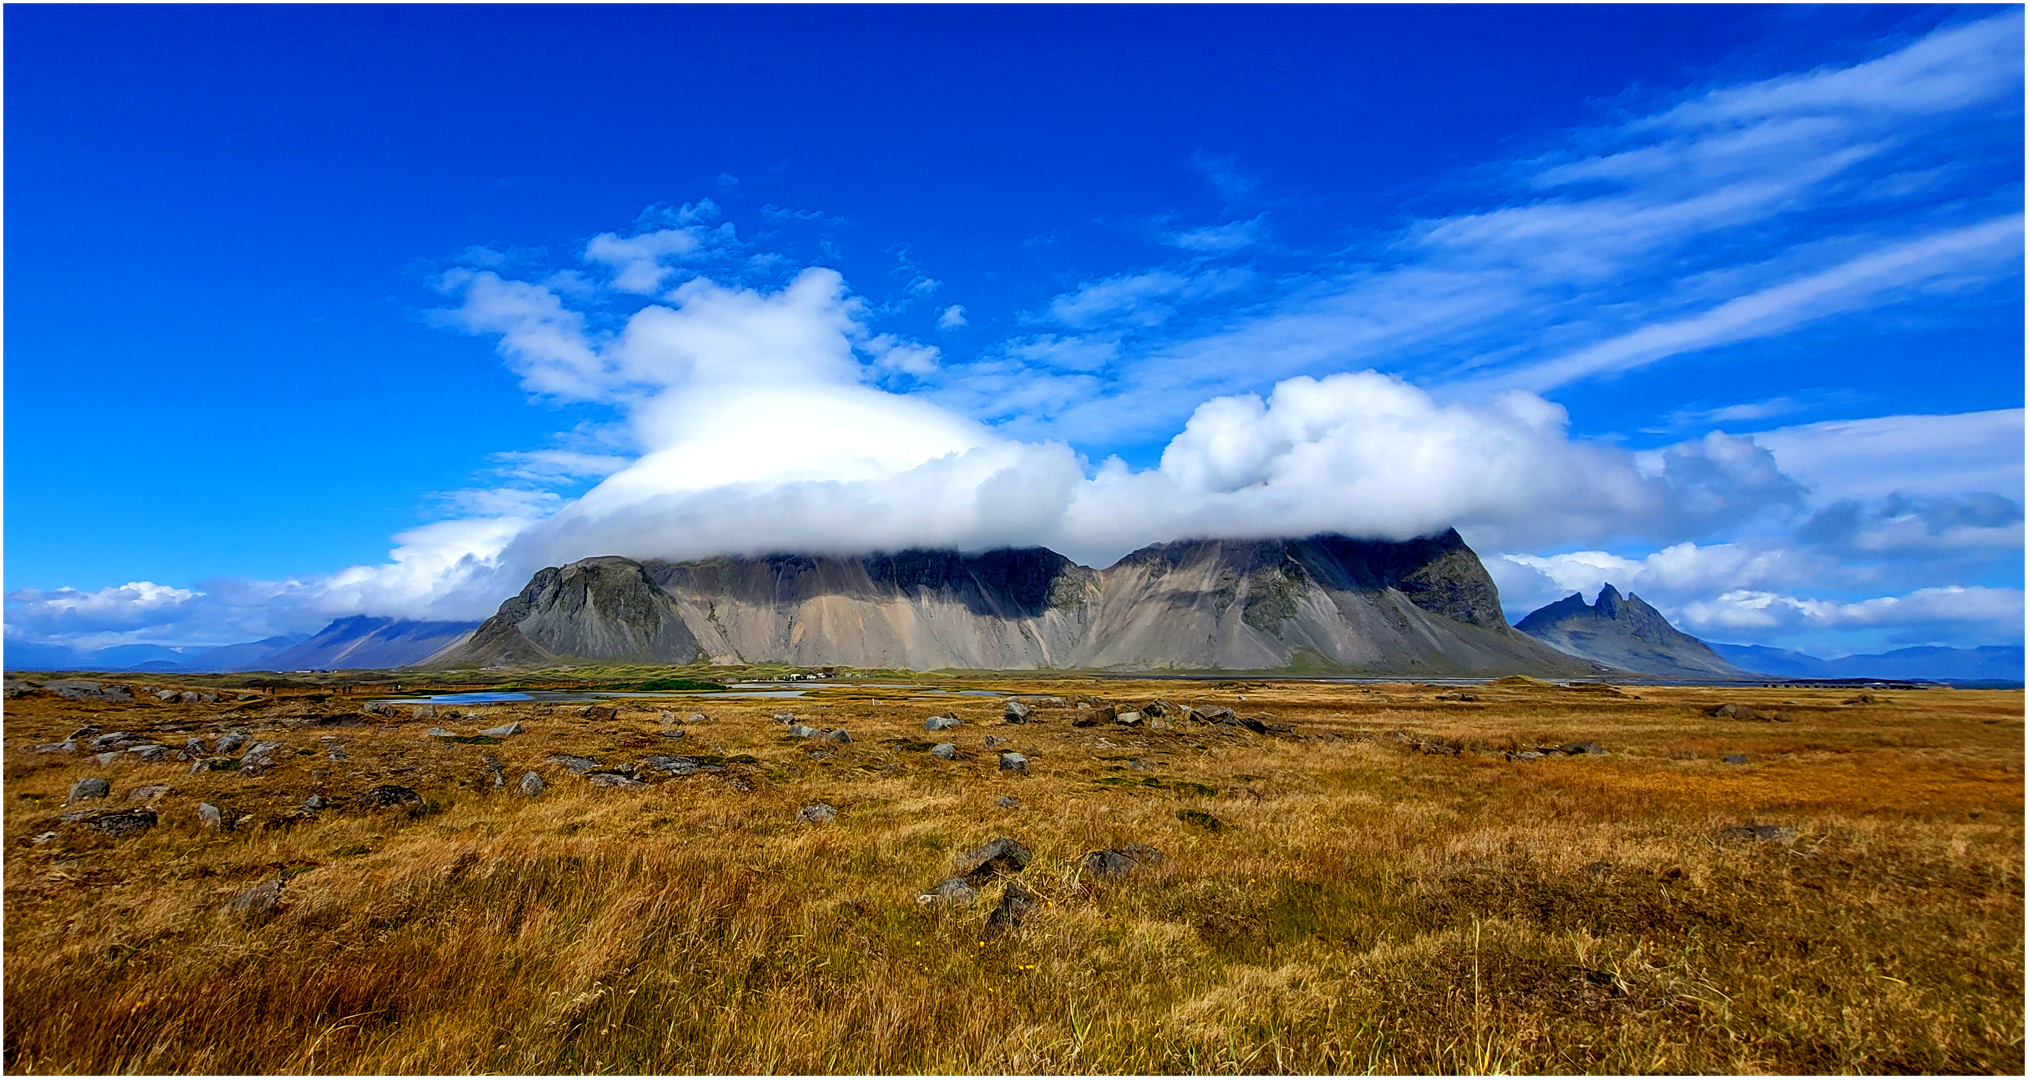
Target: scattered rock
{"type": "Point", "coordinates": [945, 751]}
{"type": "Point", "coordinates": [189, 697]}
{"type": "Point", "coordinates": [193, 746]}
{"type": "Point", "coordinates": [613, 779]}
{"type": "Point", "coordinates": [91, 787]}
{"type": "Point", "coordinates": [66, 747]}
{"type": "Point", "coordinates": [165, 696]}
{"type": "Point", "coordinates": [1016, 901]}
{"type": "Point", "coordinates": [603, 713]}
{"type": "Point", "coordinates": [697, 718]}
{"type": "Point", "coordinates": [315, 802]}
{"type": "Point", "coordinates": [148, 793]}
{"type": "Point", "coordinates": [1781, 833]}
{"type": "Point", "coordinates": [1218, 714]}
{"type": "Point", "coordinates": [391, 797]}
{"type": "Point", "coordinates": [14, 688]}
{"type": "Point", "coordinates": [423, 712]}
{"type": "Point", "coordinates": [81, 690]}
{"type": "Point", "coordinates": [1041, 701]}
{"type": "Point", "coordinates": [258, 902]}
{"type": "Point", "coordinates": [124, 822]}
{"type": "Point", "coordinates": [209, 817]}
{"type": "Point", "coordinates": [504, 730]}
{"type": "Point", "coordinates": [1127, 719]}
{"type": "Point", "coordinates": [108, 757]}
{"type": "Point", "coordinates": [230, 742]}
{"type": "Point", "coordinates": [1735, 759]}
{"type": "Point", "coordinates": [1525, 755]}
{"type": "Point", "coordinates": [1013, 762]}
{"type": "Point", "coordinates": [573, 762]}
{"type": "Point", "coordinates": [377, 708]}
{"type": "Point", "coordinates": [940, 723]}
{"type": "Point", "coordinates": [667, 717]}
{"type": "Point", "coordinates": [1008, 802]}
{"type": "Point", "coordinates": [1580, 748]}
{"type": "Point", "coordinates": [993, 741]}
{"type": "Point", "coordinates": [838, 736]}
{"type": "Point", "coordinates": [1092, 716]}
{"type": "Point", "coordinates": [1019, 712]}
{"type": "Point", "coordinates": [440, 733]}
{"type": "Point", "coordinates": [803, 731]}
{"type": "Point", "coordinates": [1862, 699]}
{"type": "Point", "coordinates": [1004, 855]}
{"type": "Point", "coordinates": [152, 753]}
{"type": "Point", "coordinates": [817, 814]}
{"type": "Point", "coordinates": [679, 766]}
{"type": "Point", "coordinates": [113, 740]}
{"type": "Point", "coordinates": [531, 784]}
{"type": "Point", "coordinates": [950, 891]}
{"type": "Point", "coordinates": [259, 757]}
{"type": "Point", "coordinates": [335, 752]}
{"type": "Point", "coordinates": [1108, 864]}
{"type": "Point", "coordinates": [671, 733]}
{"type": "Point", "coordinates": [207, 697]}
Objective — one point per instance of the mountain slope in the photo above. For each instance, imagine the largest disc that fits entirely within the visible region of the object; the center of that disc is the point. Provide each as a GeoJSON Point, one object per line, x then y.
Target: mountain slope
{"type": "Point", "coordinates": [363, 641]}
{"type": "Point", "coordinates": [1425, 606]}
{"type": "Point", "coordinates": [1625, 632]}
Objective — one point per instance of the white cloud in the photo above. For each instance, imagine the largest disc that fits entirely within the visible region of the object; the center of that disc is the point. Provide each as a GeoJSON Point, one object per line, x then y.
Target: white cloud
{"type": "Point", "coordinates": [1139, 299]}
{"type": "Point", "coordinates": [637, 261]}
{"type": "Point", "coordinates": [952, 318]}
{"type": "Point", "coordinates": [1950, 454]}
{"type": "Point", "coordinates": [1987, 612]}
{"type": "Point", "coordinates": [1220, 239]}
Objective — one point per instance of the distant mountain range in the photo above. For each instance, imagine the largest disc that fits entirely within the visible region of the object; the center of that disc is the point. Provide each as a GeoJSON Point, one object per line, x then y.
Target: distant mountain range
{"type": "Point", "coordinates": [1323, 604]}
{"type": "Point", "coordinates": [1986, 663]}
{"type": "Point", "coordinates": [356, 642]}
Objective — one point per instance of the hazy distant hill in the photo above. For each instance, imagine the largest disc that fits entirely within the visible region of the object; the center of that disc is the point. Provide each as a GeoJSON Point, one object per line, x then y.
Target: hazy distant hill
{"type": "Point", "coordinates": [357, 642]}
{"type": "Point", "coordinates": [1421, 606]}
{"type": "Point", "coordinates": [1627, 633]}
{"type": "Point", "coordinates": [2002, 663]}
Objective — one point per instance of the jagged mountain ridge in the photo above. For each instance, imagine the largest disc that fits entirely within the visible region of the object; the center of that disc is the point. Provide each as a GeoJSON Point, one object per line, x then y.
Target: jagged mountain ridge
{"type": "Point", "coordinates": [1627, 633]}
{"type": "Point", "coordinates": [1424, 605]}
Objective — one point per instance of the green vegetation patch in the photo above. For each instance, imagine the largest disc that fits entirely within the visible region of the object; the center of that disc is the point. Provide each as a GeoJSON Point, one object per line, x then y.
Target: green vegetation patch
{"type": "Point", "coordinates": [915, 746]}
{"type": "Point", "coordinates": [1201, 819]}
{"type": "Point", "coordinates": [670, 684]}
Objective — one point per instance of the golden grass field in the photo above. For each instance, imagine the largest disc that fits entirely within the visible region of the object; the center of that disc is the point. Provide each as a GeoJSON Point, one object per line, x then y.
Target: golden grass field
{"type": "Point", "coordinates": [1371, 903]}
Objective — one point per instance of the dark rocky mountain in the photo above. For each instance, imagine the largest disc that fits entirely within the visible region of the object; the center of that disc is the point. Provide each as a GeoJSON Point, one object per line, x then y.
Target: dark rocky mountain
{"type": "Point", "coordinates": [1625, 632]}
{"type": "Point", "coordinates": [1985, 663]}
{"type": "Point", "coordinates": [1423, 606]}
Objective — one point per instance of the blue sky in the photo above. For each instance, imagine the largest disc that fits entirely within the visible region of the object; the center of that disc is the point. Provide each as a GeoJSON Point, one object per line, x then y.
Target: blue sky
{"type": "Point", "coordinates": [1722, 304]}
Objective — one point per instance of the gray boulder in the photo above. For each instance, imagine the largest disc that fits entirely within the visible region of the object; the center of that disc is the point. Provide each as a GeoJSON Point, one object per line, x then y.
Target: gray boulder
{"type": "Point", "coordinates": [613, 780]}
{"type": "Point", "coordinates": [91, 787]}
{"type": "Point", "coordinates": [1003, 855]}
{"type": "Point", "coordinates": [423, 712]}
{"type": "Point", "coordinates": [113, 740]}
{"type": "Point", "coordinates": [817, 813]}
{"type": "Point", "coordinates": [124, 822]}
{"type": "Point", "coordinates": [314, 802]}
{"type": "Point", "coordinates": [1016, 902]}
{"type": "Point", "coordinates": [1779, 833]}
{"type": "Point", "coordinates": [165, 695]}
{"type": "Point", "coordinates": [951, 891]}
{"type": "Point", "coordinates": [83, 690]}
{"type": "Point", "coordinates": [65, 747]}
{"type": "Point", "coordinates": [531, 785]}
{"type": "Point", "coordinates": [1013, 762]}
{"type": "Point", "coordinates": [601, 713]}
{"type": "Point", "coordinates": [839, 736]}
{"type": "Point", "coordinates": [573, 762]}
{"type": "Point", "coordinates": [390, 797]}
{"type": "Point", "coordinates": [697, 718]}
{"type": "Point", "coordinates": [230, 741]}
{"type": "Point", "coordinates": [1736, 759]}
{"type": "Point", "coordinates": [940, 723]}
{"type": "Point", "coordinates": [945, 751]}
{"type": "Point", "coordinates": [1107, 864]}
{"type": "Point", "coordinates": [209, 817]}
{"type": "Point", "coordinates": [189, 697]}
{"type": "Point", "coordinates": [678, 766]}
{"type": "Point", "coordinates": [440, 733]}
{"type": "Point", "coordinates": [504, 730]}
{"type": "Point", "coordinates": [152, 753]}
{"type": "Point", "coordinates": [193, 746]}
{"type": "Point", "coordinates": [993, 741]}
{"type": "Point", "coordinates": [148, 793]}
{"type": "Point", "coordinates": [1008, 802]}
{"type": "Point", "coordinates": [803, 731]}
{"type": "Point", "coordinates": [258, 902]}
{"type": "Point", "coordinates": [1019, 712]}
{"type": "Point", "coordinates": [1127, 719]}
{"type": "Point", "coordinates": [377, 708]}
{"type": "Point", "coordinates": [108, 757]}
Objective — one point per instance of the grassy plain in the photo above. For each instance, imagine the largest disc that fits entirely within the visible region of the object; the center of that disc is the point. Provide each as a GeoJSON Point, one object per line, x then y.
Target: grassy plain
{"type": "Point", "coordinates": [1367, 902]}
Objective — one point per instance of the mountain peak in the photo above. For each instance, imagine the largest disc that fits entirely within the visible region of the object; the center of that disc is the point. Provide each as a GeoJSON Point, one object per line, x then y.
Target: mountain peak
{"type": "Point", "coordinates": [1626, 632]}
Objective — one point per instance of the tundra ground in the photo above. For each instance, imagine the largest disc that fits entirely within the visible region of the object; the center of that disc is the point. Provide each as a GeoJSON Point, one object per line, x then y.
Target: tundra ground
{"type": "Point", "coordinates": [1332, 898]}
